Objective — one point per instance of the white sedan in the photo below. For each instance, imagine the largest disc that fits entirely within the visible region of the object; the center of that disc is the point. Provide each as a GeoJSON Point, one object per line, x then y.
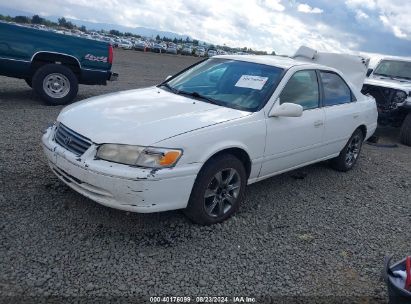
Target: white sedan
{"type": "Point", "coordinates": [195, 141]}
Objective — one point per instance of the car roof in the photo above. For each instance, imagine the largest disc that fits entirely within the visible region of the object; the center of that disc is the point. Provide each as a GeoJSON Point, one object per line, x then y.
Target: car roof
{"type": "Point", "coordinates": [277, 61]}
{"type": "Point", "coordinates": [404, 59]}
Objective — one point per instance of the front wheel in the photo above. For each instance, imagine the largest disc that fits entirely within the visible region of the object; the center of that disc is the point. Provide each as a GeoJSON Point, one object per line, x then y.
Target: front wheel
{"type": "Point", "coordinates": [348, 156]}
{"type": "Point", "coordinates": [217, 191]}
{"type": "Point", "coordinates": [56, 84]}
{"type": "Point", "coordinates": [405, 135]}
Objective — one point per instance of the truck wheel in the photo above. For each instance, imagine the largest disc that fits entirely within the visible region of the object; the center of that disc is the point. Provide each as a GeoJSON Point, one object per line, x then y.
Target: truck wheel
{"type": "Point", "coordinates": [217, 191]}
{"type": "Point", "coordinates": [28, 81]}
{"type": "Point", "coordinates": [405, 135]}
{"type": "Point", "coordinates": [56, 84]}
{"type": "Point", "coordinates": [350, 153]}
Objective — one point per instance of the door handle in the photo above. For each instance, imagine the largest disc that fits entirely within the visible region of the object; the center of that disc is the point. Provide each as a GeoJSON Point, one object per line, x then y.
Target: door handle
{"type": "Point", "coordinates": [318, 123]}
{"type": "Point", "coordinates": [355, 115]}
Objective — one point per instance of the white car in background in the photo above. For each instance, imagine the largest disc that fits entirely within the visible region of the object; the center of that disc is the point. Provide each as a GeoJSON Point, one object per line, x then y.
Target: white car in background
{"type": "Point", "coordinates": [198, 139]}
{"type": "Point", "coordinates": [125, 44]}
{"type": "Point", "coordinates": [172, 49]}
{"type": "Point", "coordinates": [187, 50]}
{"type": "Point", "coordinates": [200, 52]}
{"type": "Point", "coordinates": [211, 53]}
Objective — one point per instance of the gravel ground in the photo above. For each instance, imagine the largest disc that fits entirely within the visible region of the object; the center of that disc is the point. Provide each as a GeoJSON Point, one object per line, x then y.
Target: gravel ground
{"type": "Point", "coordinates": [312, 233]}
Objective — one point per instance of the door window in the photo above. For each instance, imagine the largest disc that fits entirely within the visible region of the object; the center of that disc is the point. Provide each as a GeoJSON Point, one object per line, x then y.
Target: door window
{"type": "Point", "coordinates": [302, 89]}
{"type": "Point", "coordinates": [336, 91]}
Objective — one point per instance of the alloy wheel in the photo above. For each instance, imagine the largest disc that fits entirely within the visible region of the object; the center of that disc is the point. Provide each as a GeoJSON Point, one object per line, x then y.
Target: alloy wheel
{"type": "Point", "coordinates": [222, 192]}
{"type": "Point", "coordinates": [353, 150]}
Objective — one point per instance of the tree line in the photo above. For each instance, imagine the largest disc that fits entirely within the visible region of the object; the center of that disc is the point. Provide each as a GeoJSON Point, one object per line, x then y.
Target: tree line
{"type": "Point", "coordinates": [36, 19]}
{"type": "Point", "coordinates": [64, 23]}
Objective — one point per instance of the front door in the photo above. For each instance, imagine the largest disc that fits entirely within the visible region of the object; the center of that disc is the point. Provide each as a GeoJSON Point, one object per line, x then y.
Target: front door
{"type": "Point", "coordinates": [294, 141]}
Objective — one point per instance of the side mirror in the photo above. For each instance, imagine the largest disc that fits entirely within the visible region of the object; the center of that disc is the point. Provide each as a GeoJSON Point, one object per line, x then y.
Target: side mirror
{"type": "Point", "coordinates": [369, 71]}
{"type": "Point", "coordinates": [168, 77]}
{"type": "Point", "coordinates": [287, 110]}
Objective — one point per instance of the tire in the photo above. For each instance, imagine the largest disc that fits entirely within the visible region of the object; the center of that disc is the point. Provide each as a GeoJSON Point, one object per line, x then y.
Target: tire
{"type": "Point", "coordinates": [208, 192]}
{"type": "Point", "coordinates": [29, 82]}
{"type": "Point", "coordinates": [65, 88]}
{"type": "Point", "coordinates": [348, 156]}
{"type": "Point", "coordinates": [405, 135]}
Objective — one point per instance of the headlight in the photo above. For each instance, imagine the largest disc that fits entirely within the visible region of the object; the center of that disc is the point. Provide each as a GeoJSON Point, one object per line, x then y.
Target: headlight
{"type": "Point", "coordinates": [123, 154]}
{"type": "Point", "coordinates": [400, 97]}
{"type": "Point", "coordinates": [158, 157]}
{"type": "Point", "coordinates": [139, 156]}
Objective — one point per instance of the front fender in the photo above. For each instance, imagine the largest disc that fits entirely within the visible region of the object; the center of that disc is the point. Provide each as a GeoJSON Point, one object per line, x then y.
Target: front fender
{"type": "Point", "coordinates": [247, 133]}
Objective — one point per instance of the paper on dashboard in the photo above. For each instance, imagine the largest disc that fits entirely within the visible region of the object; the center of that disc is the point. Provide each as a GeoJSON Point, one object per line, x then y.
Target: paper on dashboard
{"type": "Point", "coordinates": [251, 82]}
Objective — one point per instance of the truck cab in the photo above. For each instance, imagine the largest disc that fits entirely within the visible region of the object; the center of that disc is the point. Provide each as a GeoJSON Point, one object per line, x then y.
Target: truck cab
{"type": "Point", "coordinates": [53, 64]}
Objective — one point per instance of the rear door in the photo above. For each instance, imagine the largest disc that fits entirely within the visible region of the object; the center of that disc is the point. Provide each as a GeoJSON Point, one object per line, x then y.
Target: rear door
{"type": "Point", "coordinates": [341, 112]}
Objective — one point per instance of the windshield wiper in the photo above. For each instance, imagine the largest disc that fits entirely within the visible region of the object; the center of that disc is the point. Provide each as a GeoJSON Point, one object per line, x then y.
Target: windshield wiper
{"type": "Point", "coordinates": [192, 94]}
{"type": "Point", "coordinates": [403, 77]}
{"type": "Point", "coordinates": [384, 75]}
{"type": "Point", "coordinates": [392, 76]}
{"type": "Point", "coordinates": [170, 88]}
{"type": "Point", "coordinates": [198, 96]}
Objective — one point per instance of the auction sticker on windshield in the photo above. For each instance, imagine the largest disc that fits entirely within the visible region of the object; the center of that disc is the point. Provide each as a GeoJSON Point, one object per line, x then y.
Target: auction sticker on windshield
{"type": "Point", "coordinates": [251, 82]}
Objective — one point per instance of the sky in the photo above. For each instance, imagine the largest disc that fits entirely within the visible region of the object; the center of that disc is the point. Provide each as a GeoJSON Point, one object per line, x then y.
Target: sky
{"type": "Point", "coordinates": [371, 26]}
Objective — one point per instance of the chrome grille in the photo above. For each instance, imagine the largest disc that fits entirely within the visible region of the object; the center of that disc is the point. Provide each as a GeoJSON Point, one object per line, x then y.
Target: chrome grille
{"type": "Point", "coordinates": [71, 140]}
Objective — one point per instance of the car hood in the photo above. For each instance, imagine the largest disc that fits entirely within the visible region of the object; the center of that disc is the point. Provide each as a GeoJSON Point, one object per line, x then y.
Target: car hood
{"type": "Point", "coordinates": [142, 116]}
{"type": "Point", "coordinates": [402, 84]}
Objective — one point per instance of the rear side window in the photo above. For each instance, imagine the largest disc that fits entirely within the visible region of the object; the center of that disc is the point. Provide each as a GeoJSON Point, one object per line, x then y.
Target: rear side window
{"type": "Point", "coordinates": [336, 91]}
{"type": "Point", "coordinates": [302, 89]}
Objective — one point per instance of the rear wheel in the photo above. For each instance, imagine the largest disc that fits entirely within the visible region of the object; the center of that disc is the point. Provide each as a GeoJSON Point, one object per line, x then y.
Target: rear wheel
{"type": "Point", "coordinates": [56, 84]}
{"type": "Point", "coordinates": [405, 135]}
{"type": "Point", "coordinates": [217, 191]}
{"type": "Point", "coordinates": [349, 154]}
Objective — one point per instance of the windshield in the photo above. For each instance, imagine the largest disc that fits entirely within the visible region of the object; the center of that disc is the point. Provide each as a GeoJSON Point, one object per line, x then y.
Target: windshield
{"type": "Point", "coordinates": [393, 68]}
{"type": "Point", "coordinates": [231, 83]}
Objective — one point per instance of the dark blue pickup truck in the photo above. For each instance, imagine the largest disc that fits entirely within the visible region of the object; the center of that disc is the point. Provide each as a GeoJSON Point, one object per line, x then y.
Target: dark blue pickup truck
{"type": "Point", "coordinates": [53, 64]}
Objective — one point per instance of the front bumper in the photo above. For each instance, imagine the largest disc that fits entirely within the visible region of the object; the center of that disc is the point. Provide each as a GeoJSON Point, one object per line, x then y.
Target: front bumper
{"type": "Point", "coordinates": [120, 186]}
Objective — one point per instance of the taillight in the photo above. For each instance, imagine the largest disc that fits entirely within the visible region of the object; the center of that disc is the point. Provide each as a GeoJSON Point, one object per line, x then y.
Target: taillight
{"type": "Point", "coordinates": [110, 54]}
